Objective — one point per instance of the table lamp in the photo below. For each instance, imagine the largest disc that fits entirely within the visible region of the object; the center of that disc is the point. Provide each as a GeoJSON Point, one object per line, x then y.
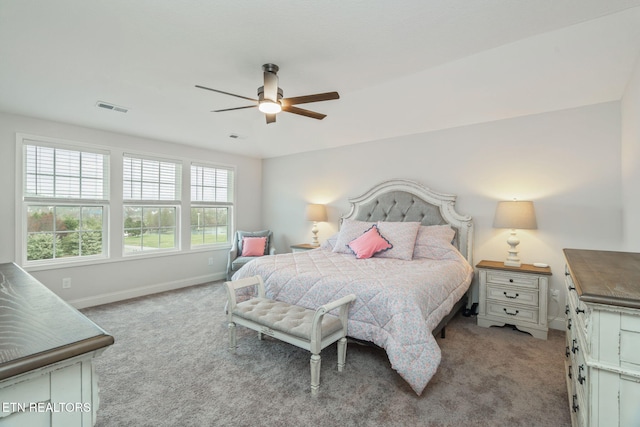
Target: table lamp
{"type": "Point", "coordinates": [316, 213]}
{"type": "Point", "coordinates": [515, 214]}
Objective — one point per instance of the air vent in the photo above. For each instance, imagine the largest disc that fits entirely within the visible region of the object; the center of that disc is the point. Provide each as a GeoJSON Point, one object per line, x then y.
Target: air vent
{"type": "Point", "coordinates": [112, 107]}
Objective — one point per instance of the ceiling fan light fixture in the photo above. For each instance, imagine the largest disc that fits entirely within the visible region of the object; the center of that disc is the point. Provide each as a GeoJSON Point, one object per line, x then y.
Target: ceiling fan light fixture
{"type": "Point", "coordinates": [270, 107]}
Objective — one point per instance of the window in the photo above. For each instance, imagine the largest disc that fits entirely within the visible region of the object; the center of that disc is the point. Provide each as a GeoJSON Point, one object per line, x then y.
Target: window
{"type": "Point", "coordinates": [211, 205]}
{"type": "Point", "coordinates": [65, 202]}
{"type": "Point", "coordinates": [151, 198]}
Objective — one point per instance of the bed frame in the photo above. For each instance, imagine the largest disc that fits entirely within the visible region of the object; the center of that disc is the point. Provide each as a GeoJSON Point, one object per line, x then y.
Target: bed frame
{"type": "Point", "coordinates": [403, 200]}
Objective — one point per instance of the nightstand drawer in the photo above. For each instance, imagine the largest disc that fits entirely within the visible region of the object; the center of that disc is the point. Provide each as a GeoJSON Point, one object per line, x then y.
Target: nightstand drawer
{"type": "Point", "coordinates": [511, 295]}
{"type": "Point", "coordinates": [512, 313]}
{"type": "Point", "coordinates": [507, 278]}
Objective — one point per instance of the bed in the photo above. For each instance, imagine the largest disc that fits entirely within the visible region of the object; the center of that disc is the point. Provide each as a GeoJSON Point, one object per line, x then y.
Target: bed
{"type": "Point", "coordinates": [406, 293]}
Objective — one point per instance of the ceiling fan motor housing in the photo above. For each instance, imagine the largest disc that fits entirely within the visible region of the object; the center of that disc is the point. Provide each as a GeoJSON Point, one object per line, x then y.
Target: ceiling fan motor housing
{"type": "Point", "coordinates": [261, 94]}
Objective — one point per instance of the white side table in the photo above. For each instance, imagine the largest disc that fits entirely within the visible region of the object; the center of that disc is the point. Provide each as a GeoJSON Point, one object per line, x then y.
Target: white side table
{"type": "Point", "coordinates": [515, 296]}
{"type": "Point", "coordinates": [301, 247]}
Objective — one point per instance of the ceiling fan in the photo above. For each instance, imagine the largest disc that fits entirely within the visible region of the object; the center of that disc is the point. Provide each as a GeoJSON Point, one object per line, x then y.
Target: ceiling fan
{"type": "Point", "coordinates": [271, 102]}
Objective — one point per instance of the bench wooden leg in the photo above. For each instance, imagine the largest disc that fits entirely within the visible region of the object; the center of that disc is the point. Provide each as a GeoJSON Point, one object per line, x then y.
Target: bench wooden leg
{"type": "Point", "coordinates": [232, 336]}
{"type": "Point", "coordinates": [342, 353]}
{"type": "Point", "coordinates": [315, 373]}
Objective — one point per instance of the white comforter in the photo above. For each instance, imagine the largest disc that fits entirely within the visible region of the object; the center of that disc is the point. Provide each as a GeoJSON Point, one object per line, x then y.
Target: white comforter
{"type": "Point", "coordinates": [398, 302]}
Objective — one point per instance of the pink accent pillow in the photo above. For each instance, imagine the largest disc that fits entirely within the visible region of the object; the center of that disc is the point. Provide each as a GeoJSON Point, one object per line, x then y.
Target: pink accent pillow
{"type": "Point", "coordinates": [370, 243]}
{"type": "Point", "coordinates": [253, 246]}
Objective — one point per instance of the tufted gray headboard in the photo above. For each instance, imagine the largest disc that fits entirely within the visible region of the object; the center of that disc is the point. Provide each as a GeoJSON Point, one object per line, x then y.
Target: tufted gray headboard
{"type": "Point", "coordinates": [403, 200]}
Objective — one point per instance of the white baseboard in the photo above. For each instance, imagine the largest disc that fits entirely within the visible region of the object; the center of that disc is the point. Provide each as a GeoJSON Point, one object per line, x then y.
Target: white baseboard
{"type": "Point", "coordinates": [144, 290]}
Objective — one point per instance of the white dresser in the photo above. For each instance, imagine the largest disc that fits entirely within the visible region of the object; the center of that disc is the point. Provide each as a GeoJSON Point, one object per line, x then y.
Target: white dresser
{"type": "Point", "coordinates": [47, 347]}
{"type": "Point", "coordinates": [603, 337]}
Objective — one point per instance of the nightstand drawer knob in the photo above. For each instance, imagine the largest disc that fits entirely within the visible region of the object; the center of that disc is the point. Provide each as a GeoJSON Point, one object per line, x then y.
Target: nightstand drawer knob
{"type": "Point", "coordinates": [510, 280]}
{"type": "Point", "coordinates": [511, 296]}
{"type": "Point", "coordinates": [511, 314]}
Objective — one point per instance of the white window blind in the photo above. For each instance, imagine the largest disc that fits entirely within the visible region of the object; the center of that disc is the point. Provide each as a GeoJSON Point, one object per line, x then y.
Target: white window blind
{"type": "Point", "coordinates": [151, 179]}
{"type": "Point", "coordinates": [211, 184]}
{"type": "Point", "coordinates": [61, 173]}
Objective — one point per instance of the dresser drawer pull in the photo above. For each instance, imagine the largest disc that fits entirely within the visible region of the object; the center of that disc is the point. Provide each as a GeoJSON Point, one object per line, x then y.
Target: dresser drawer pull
{"type": "Point", "coordinates": [572, 288]}
{"type": "Point", "coordinates": [567, 352]}
{"type": "Point", "coordinates": [578, 311]}
{"type": "Point", "coordinates": [574, 346]}
{"type": "Point", "coordinates": [510, 280]}
{"type": "Point", "coordinates": [511, 314]}
{"type": "Point", "coordinates": [569, 324]}
{"type": "Point", "coordinates": [581, 379]}
{"type": "Point", "coordinates": [569, 374]}
{"type": "Point", "coordinates": [566, 309]}
{"type": "Point", "coordinates": [511, 296]}
{"type": "Point", "coordinates": [575, 406]}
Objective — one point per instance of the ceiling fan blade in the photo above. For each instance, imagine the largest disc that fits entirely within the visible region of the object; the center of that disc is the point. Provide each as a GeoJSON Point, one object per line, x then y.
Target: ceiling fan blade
{"type": "Point", "coordinates": [270, 86]}
{"type": "Point", "coordinates": [327, 96]}
{"type": "Point", "coordinates": [236, 108]}
{"type": "Point", "coordinates": [302, 112]}
{"type": "Point", "coordinates": [271, 118]}
{"type": "Point", "coordinates": [226, 93]}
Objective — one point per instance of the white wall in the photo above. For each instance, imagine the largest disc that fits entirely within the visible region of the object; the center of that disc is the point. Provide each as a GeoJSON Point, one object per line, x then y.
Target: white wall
{"type": "Point", "coordinates": [124, 278]}
{"type": "Point", "coordinates": [631, 162]}
{"type": "Point", "coordinates": [567, 162]}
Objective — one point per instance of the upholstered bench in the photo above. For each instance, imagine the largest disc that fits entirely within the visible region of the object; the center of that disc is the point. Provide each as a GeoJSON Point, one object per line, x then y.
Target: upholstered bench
{"type": "Point", "coordinates": [302, 327]}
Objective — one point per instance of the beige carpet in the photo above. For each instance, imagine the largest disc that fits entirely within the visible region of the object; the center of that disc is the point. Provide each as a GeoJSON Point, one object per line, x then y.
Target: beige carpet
{"type": "Point", "coordinates": [170, 366]}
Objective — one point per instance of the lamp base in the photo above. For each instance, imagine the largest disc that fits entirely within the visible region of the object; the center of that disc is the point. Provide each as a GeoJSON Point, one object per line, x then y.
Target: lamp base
{"type": "Point", "coordinates": [513, 242]}
{"type": "Point", "coordinates": [314, 230]}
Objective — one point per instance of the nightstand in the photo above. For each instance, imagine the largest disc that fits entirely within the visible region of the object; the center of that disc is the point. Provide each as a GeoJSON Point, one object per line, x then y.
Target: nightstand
{"type": "Point", "coordinates": [302, 247]}
{"type": "Point", "coordinates": [515, 296]}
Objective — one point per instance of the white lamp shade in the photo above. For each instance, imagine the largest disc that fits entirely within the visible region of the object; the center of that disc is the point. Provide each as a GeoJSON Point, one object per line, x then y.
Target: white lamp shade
{"type": "Point", "coordinates": [316, 213]}
{"type": "Point", "coordinates": [515, 214]}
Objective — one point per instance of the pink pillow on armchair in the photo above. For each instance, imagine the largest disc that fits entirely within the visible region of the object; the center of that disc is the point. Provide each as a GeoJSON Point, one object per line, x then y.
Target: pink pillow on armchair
{"type": "Point", "coordinates": [253, 246]}
{"type": "Point", "coordinates": [369, 244]}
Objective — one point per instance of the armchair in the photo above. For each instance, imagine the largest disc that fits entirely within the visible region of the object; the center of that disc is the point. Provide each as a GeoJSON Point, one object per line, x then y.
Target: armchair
{"type": "Point", "coordinates": [236, 260]}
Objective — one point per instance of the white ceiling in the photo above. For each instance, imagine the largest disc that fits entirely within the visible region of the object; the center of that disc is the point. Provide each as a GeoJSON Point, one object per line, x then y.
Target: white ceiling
{"type": "Point", "coordinates": [401, 67]}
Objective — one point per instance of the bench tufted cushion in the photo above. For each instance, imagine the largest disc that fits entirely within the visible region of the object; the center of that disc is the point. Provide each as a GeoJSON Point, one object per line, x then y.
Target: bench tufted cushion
{"type": "Point", "coordinates": [283, 317]}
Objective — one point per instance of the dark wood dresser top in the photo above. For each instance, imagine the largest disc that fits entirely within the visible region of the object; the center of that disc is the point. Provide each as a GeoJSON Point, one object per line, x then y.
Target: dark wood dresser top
{"type": "Point", "coordinates": [605, 277]}
{"type": "Point", "coordinates": [37, 328]}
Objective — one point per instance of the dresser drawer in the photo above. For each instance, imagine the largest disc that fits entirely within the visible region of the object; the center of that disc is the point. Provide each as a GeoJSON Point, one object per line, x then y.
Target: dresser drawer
{"type": "Point", "coordinates": [507, 278]}
{"type": "Point", "coordinates": [510, 313]}
{"type": "Point", "coordinates": [511, 295]}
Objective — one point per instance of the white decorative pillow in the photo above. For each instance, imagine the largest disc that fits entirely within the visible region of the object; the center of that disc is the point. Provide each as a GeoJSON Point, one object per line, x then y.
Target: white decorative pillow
{"type": "Point", "coordinates": [330, 243]}
{"type": "Point", "coordinates": [434, 241]}
{"type": "Point", "coordinates": [350, 230]}
{"type": "Point", "coordinates": [402, 235]}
